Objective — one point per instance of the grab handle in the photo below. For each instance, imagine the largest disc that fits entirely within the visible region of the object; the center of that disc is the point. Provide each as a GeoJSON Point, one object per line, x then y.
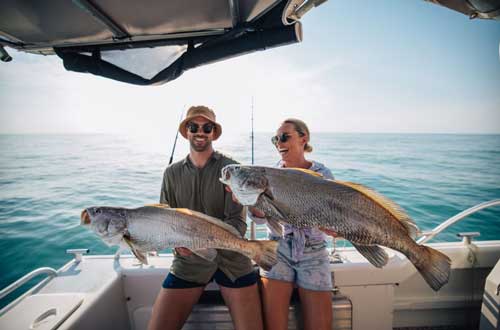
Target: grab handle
{"type": "Point", "coordinates": [43, 270]}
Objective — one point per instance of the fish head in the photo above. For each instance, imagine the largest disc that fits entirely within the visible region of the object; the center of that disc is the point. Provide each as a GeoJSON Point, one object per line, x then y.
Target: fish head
{"type": "Point", "coordinates": [109, 223]}
{"type": "Point", "coordinates": [246, 182]}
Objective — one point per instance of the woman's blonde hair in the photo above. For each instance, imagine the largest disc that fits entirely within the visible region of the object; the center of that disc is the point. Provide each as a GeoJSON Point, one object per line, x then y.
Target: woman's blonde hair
{"type": "Point", "coordinates": [302, 129]}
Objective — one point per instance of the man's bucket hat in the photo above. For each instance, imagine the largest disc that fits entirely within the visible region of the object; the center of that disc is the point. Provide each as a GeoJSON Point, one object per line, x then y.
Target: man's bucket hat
{"type": "Point", "coordinates": [200, 111]}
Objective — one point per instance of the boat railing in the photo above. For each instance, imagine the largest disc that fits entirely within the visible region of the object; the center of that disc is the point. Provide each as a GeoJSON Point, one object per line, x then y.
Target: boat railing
{"type": "Point", "coordinates": [42, 270]}
{"type": "Point", "coordinates": [427, 236]}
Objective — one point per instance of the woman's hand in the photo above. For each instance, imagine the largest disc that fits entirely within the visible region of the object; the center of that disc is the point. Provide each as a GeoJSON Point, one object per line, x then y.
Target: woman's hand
{"type": "Point", "coordinates": [185, 252]}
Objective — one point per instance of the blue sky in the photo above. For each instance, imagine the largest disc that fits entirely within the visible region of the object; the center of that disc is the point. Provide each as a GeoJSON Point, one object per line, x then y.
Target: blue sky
{"type": "Point", "coordinates": [364, 66]}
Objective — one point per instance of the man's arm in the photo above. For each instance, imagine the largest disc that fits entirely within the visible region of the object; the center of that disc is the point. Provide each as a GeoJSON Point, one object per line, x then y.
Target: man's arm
{"type": "Point", "coordinates": [164, 190]}
{"type": "Point", "coordinates": [165, 199]}
{"type": "Point", "coordinates": [234, 213]}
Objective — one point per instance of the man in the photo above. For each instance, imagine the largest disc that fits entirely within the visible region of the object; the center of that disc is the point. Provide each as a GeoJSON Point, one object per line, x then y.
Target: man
{"type": "Point", "coordinates": [193, 183]}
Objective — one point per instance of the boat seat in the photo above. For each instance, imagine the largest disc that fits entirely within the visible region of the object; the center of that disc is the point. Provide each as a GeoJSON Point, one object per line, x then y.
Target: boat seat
{"type": "Point", "coordinates": [211, 313]}
{"type": "Point", "coordinates": [490, 309]}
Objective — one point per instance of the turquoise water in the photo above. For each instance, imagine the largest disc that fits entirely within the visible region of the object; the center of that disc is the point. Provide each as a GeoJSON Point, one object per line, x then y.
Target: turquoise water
{"type": "Point", "coordinates": [46, 181]}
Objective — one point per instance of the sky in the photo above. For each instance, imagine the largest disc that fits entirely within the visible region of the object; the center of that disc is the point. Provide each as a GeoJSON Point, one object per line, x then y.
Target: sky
{"type": "Point", "coordinates": [363, 66]}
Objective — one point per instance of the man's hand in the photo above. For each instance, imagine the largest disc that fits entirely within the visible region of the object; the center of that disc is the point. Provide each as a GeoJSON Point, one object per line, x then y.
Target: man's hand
{"type": "Point", "coordinates": [256, 213]}
{"type": "Point", "coordinates": [185, 252]}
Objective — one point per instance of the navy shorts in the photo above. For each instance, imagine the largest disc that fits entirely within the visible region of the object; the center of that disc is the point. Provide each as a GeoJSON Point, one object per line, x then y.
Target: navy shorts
{"type": "Point", "coordinates": [174, 282]}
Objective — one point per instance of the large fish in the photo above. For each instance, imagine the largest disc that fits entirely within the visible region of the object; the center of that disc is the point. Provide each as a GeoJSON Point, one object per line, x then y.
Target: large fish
{"type": "Point", "coordinates": [368, 220]}
{"type": "Point", "coordinates": [154, 228]}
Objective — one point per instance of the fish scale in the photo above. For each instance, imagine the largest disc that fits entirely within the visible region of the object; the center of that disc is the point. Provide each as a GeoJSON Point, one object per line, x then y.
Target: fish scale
{"type": "Point", "coordinates": [197, 237]}
{"type": "Point", "coordinates": [155, 228]}
{"type": "Point", "coordinates": [367, 219]}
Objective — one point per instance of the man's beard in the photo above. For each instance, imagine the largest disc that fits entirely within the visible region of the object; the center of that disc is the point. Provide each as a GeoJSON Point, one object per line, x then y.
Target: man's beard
{"type": "Point", "coordinates": [199, 147]}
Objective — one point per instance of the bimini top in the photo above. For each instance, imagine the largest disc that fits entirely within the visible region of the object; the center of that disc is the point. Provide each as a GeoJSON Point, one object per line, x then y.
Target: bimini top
{"type": "Point", "coordinates": [152, 42]}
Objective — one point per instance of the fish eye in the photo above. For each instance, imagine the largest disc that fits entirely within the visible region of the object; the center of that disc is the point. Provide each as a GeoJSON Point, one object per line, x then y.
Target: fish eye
{"type": "Point", "coordinates": [98, 211]}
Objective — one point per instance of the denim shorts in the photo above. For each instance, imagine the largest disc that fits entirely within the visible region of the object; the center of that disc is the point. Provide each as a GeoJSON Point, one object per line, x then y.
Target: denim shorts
{"type": "Point", "coordinates": [311, 271]}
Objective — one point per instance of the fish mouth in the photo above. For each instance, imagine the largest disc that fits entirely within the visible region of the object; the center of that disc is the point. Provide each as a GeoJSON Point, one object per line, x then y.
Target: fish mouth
{"type": "Point", "coordinates": [225, 175]}
{"type": "Point", "coordinates": [85, 218]}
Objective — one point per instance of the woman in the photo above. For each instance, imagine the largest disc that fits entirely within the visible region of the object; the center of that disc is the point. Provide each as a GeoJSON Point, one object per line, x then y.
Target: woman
{"type": "Point", "coordinates": [303, 258]}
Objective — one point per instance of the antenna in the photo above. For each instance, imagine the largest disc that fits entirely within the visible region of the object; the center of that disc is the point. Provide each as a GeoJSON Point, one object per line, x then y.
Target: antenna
{"type": "Point", "coordinates": [176, 136]}
{"type": "Point", "coordinates": [252, 223]}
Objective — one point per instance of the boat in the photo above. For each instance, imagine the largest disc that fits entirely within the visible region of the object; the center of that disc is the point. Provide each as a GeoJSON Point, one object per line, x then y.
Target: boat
{"type": "Point", "coordinates": [117, 292]}
{"type": "Point", "coordinates": [109, 292]}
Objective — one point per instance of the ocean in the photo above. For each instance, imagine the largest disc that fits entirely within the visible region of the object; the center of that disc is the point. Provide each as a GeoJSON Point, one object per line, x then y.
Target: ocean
{"type": "Point", "coordinates": [47, 180]}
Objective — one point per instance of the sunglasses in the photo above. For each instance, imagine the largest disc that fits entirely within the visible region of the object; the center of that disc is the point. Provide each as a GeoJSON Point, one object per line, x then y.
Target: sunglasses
{"type": "Point", "coordinates": [282, 138]}
{"type": "Point", "coordinates": [194, 127]}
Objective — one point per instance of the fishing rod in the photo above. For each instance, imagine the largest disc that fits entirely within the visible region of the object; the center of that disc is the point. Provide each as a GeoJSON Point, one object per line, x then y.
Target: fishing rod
{"type": "Point", "coordinates": [252, 224]}
{"type": "Point", "coordinates": [176, 136]}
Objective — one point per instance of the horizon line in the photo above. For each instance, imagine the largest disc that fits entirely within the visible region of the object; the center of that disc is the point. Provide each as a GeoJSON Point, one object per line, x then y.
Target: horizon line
{"type": "Point", "coordinates": [255, 132]}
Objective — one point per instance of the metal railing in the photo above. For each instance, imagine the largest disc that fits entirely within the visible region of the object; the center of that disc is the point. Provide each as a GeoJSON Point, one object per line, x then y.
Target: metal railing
{"type": "Point", "coordinates": [431, 234]}
{"type": "Point", "coordinates": [253, 229]}
{"type": "Point", "coordinates": [426, 236]}
{"type": "Point", "coordinates": [26, 278]}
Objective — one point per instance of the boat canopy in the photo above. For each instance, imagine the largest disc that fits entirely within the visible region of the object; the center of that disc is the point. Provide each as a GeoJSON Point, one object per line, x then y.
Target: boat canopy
{"type": "Point", "coordinates": [147, 42]}
{"type": "Point", "coordinates": [152, 42]}
{"type": "Point", "coordinates": [486, 9]}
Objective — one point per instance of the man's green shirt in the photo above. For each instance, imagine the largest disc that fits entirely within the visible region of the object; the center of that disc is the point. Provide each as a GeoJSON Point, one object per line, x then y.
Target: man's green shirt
{"type": "Point", "coordinates": [199, 189]}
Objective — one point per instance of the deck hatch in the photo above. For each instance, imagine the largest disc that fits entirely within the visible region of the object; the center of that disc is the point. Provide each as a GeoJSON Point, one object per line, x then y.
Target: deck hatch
{"type": "Point", "coordinates": [41, 311]}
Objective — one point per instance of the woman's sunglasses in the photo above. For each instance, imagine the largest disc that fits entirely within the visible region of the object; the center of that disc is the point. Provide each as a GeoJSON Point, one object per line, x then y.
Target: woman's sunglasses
{"type": "Point", "coordinates": [282, 138]}
{"type": "Point", "coordinates": [194, 127]}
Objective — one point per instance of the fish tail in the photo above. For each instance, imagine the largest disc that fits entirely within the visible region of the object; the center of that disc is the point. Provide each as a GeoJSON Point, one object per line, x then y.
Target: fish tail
{"type": "Point", "coordinates": [433, 265]}
{"type": "Point", "coordinates": [265, 254]}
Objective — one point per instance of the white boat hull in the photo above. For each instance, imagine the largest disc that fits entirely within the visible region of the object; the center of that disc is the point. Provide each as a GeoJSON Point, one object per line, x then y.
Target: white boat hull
{"type": "Point", "coordinates": [103, 293]}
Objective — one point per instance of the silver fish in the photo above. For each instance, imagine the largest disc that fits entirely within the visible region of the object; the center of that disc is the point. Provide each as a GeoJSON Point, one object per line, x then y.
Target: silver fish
{"type": "Point", "coordinates": [156, 227]}
{"type": "Point", "coordinates": [367, 219]}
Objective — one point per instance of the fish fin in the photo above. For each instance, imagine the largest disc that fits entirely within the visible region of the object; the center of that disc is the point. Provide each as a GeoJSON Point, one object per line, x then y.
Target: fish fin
{"type": "Point", "coordinates": [207, 254]}
{"type": "Point", "coordinates": [306, 171]}
{"type": "Point", "coordinates": [390, 206]}
{"type": "Point", "coordinates": [121, 248]}
{"type": "Point", "coordinates": [269, 202]}
{"type": "Point", "coordinates": [373, 253]}
{"type": "Point", "coordinates": [138, 254]}
{"type": "Point", "coordinates": [265, 253]}
{"type": "Point", "coordinates": [435, 269]}
{"type": "Point", "coordinates": [268, 194]}
{"type": "Point", "coordinates": [275, 225]}
{"type": "Point", "coordinates": [210, 219]}
{"type": "Point", "coordinates": [163, 206]}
